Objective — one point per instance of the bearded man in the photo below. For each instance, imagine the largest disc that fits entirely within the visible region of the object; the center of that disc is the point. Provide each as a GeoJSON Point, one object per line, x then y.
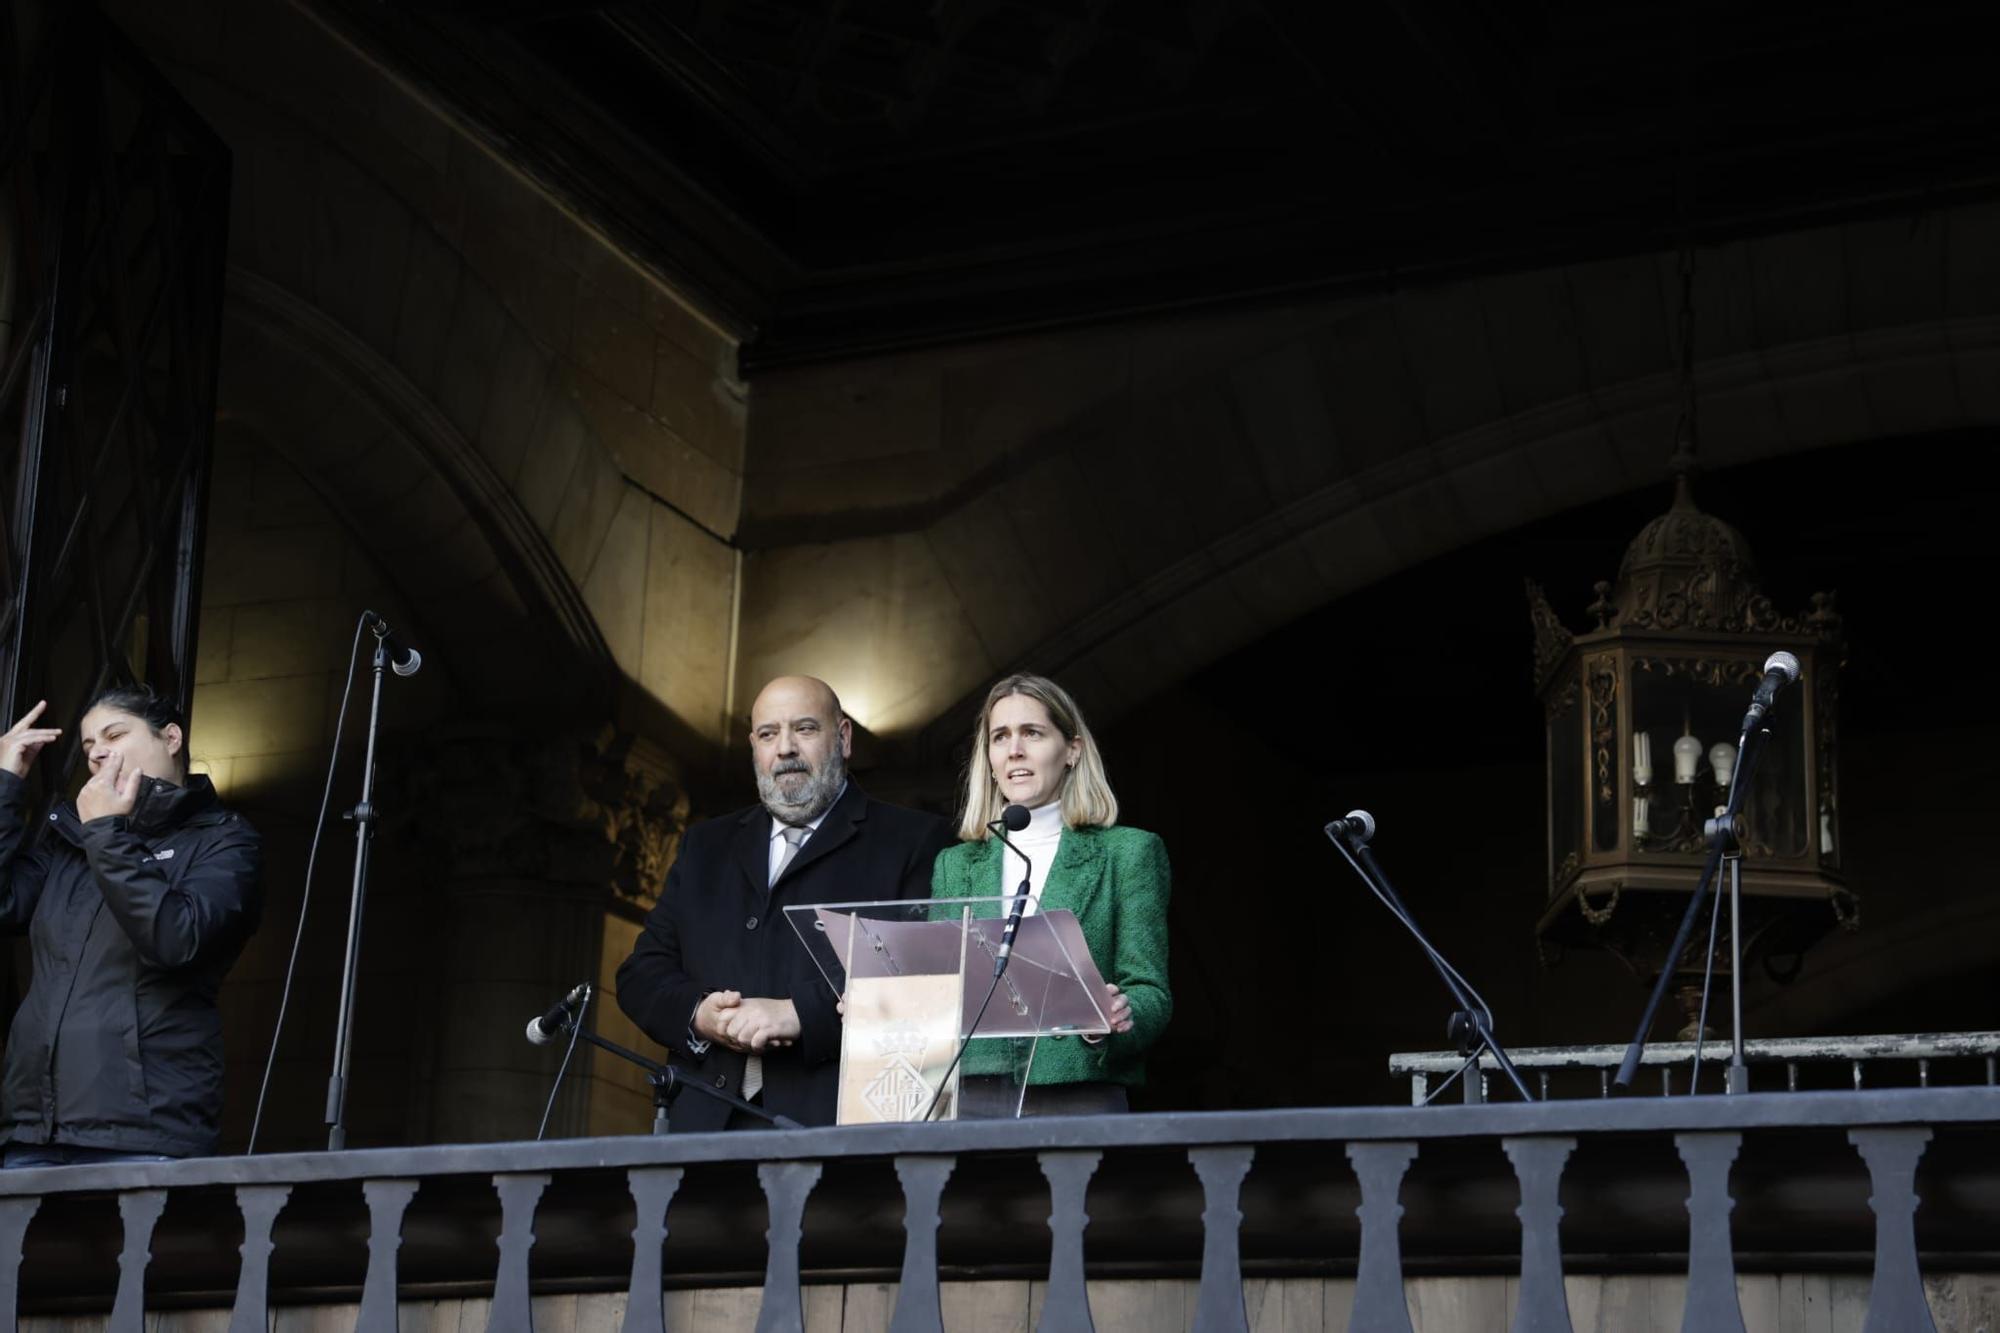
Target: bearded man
{"type": "Point", "coordinates": [718, 976]}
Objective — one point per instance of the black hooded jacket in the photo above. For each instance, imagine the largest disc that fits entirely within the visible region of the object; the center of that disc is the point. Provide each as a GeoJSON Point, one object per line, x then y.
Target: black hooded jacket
{"type": "Point", "coordinates": [133, 920]}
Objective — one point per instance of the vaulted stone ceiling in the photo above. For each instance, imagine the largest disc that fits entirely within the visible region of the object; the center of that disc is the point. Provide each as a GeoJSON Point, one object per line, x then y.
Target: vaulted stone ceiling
{"type": "Point", "coordinates": [839, 176]}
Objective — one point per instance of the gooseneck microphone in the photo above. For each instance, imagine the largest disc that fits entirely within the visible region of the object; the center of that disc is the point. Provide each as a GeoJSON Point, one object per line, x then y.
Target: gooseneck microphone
{"type": "Point", "coordinates": [1015, 817]}
{"type": "Point", "coordinates": [403, 659]}
{"type": "Point", "coordinates": [1780, 670]}
{"type": "Point", "coordinates": [545, 1028]}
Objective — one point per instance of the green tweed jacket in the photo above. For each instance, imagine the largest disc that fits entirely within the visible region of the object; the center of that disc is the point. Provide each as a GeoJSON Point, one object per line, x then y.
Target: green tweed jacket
{"type": "Point", "coordinates": [1116, 880]}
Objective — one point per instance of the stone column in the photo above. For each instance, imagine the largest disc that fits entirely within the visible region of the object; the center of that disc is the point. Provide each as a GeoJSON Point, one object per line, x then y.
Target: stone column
{"type": "Point", "coordinates": [541, 845]}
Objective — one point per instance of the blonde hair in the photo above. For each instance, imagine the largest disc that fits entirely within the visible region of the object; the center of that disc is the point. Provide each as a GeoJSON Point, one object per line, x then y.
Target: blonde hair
{"type": "Point", "coordinates": [1087, 800]}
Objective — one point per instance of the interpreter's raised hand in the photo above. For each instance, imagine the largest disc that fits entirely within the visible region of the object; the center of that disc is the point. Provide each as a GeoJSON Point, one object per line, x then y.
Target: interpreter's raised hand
{"type": "Point", "coordinates": [24, 740]}
{"type": "Point", "coordinates": [708, 1014]}
{"type": "Point", "coordinates": [113, 791]}
{"type": "Point", "coordinates": [756, 1024]}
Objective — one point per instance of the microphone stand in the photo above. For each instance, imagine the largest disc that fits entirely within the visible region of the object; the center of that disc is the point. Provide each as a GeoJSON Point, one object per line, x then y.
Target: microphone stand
{"type": "Point", "coordinates": [1723, 833]}
{"type": "Point", "coordinates": [364, 816]}
{"type": "Point", "coordinates": [667, 1081]}
{"type": "Point", "coordinates": [1471, 1025]}
{"type": "Point", "coordinates": [1739, 1072]}
{"type": "Point", "coordinates": [1000, 961]}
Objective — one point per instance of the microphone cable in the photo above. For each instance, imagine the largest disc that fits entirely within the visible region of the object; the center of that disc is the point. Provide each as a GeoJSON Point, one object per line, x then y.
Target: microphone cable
{"type": "Point", "coordinates": [305, 893]}
{"type": "Point", "coordinates": [945, 1082]}
{"type": "Point", "coordinates": [575, 1031]}
{"type": "Point", "coordinates": [1013, 823]}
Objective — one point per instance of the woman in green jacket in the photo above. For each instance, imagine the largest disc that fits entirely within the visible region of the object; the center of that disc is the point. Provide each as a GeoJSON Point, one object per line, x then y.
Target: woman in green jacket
{"type": "Point", "coordinates": [1031, 748]}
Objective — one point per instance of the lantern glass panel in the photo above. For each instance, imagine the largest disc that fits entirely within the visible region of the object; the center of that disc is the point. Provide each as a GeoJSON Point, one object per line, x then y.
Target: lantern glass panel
{"type": "Point", "coordinates": [1566, 798]}
{"type": "Point", "coordinates": [1705, 700]}
{"type": "Point", "coordinates": [1775, 817]}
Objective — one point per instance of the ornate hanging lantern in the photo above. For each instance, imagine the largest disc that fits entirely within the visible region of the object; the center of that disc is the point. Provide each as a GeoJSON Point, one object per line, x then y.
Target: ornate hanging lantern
{"type": "Point", "coordinates": [1642, 715]}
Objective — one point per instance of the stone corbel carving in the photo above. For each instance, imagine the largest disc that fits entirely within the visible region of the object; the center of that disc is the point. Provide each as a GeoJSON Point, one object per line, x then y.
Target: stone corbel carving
{"type": "Point", "coordinates": [563, 809]}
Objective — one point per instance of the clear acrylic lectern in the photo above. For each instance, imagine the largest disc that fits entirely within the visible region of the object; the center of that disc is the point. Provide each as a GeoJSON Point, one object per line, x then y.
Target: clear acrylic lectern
{"type": "Point", "coordinates": [914, 974]}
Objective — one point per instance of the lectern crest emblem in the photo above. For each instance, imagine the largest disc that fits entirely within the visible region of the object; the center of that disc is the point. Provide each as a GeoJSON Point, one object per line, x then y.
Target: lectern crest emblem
{"type": "Point", "coordinates": [901, 1037]}
{"type": "Point", "coordinates": [898, 1091]}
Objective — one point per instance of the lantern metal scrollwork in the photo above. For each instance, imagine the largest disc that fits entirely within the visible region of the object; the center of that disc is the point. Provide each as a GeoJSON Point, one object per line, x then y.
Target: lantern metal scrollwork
{"type": "Point", "coordinates": [1642, 714]}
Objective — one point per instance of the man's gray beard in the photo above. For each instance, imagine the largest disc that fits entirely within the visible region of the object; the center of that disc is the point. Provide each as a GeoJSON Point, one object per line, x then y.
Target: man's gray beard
{"type": "Point", "coordinates": [814, 798]}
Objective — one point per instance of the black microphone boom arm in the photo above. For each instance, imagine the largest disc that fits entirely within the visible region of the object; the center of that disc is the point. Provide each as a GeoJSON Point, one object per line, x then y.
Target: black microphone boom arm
{"type": "Point", "coordinates": [1472, 1026]}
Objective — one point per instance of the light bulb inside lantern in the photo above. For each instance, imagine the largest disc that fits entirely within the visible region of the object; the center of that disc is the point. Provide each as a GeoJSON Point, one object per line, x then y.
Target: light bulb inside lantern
{"type": "Point", "coordinates": [1722, 759]}
{"type": "Point", "coordinates": [1687, 759]}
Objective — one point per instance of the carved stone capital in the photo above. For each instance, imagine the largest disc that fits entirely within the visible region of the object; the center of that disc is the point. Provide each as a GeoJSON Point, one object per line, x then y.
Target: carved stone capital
{"type": "Point", "coordinates": [494, 803]}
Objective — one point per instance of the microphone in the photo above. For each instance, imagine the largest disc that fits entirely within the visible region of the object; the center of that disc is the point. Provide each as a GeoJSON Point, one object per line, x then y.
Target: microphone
{"type": "Point", "coordinates": [403, 659]}
{"type": "Point", "coordinates": [1357, 826]}
{"type": "Point", "coordinates": [1015, 817]}
{"type": "Point", "coordinates": [1780, 670]}
{"type": "Point", "coordinates": [547, 1027]}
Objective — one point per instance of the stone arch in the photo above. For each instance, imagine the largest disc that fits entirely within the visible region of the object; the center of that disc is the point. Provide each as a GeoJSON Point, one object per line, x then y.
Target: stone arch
{"type": "Point", "coordinates": [1432, 498]}
{"type": "Point", "coordinates": [512, 859]}
{"type": "Point", "coordinates": [374, 227]}
{"type": "Point", "coordinates": [1123, 505]}
{"type": "Point", "coordinates": [469, 560]}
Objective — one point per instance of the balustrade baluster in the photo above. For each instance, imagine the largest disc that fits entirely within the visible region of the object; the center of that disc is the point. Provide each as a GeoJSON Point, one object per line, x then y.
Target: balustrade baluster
{"type": "Point", "coordinates": [15, 1214]}
{"type": "Point", "coordinates": [1067, 1309]}
{"type": "Point", "coordinates": [140, 1210]}
{"type": "Point", "coordinates": [260, 1205]}
{"type": "Point", "coordinates": [387, 1200]}
{"type": "Point", "coordinates": [1379, 1303]}
{"type": "Point", "coordinates": [1712, 1302]}
{"type": "Point", "coordinates": [786, 1185]}
{"type": "Point", "coordinates": [652, 1190]}
{"type": "Point", "coordinates": [1543, 1306]}
{"type": "Point", "coordinates": [1219, 1308]}
{"type": "Point", "coordinates": [919, 1308]}
{"type": "Point", "coordinates": [1896, 1302]}
{"type": "Point", "coordinates": [519, 1192]}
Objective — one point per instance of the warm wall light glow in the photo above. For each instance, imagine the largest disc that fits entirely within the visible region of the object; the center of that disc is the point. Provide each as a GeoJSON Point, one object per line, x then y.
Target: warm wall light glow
{"type": "Point", "coordinates": [219, 772]}
{"type": "Point", "coordinates": [214, 741]}
{"type": "Point", "coordinates": [858, 704]}
{"type": "Point", "coordinates": [875, 618]}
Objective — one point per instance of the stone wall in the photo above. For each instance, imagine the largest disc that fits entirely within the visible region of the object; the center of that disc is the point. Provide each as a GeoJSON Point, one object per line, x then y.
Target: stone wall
{"type": "Point", "coordinates": [609, 409]}
{"type": "Point", "coordinates": [1120, 506]}
{"type": "Point", "coordinates": [447, 398]}
{"type": "Point", "coordinates": [418, 335]}
{"type": "Point", "coordinates": [284, 585]}
{"type": "Point", "coordinates": [504, 858]}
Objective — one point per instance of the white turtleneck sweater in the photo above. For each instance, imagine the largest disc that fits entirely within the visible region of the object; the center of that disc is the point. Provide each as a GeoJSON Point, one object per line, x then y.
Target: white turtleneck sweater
{"type": "Point", "coordinates": [1039, 840]}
